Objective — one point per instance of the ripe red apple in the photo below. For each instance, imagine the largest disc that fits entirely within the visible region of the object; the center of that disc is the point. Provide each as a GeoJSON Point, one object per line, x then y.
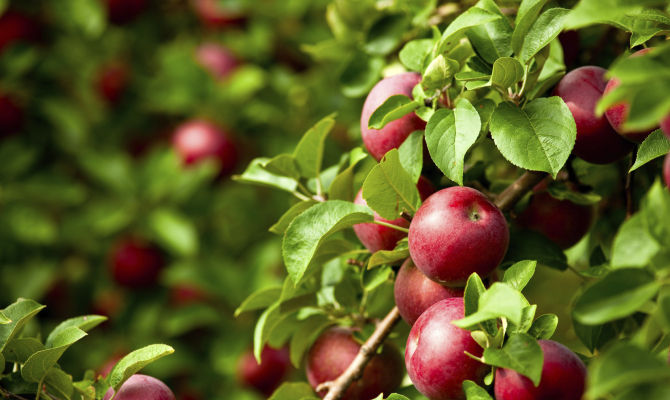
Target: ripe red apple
{"type": "Point", "coordinates": [136, 263]}
{"type": "Point", "coordinates": [414, 293]}
{"type": "Point", "coordinates": [15, 26]}
{"type": "Point", "coordinates": [216, 59]}
{"type": "Point", "coordinates": [597, 142]}
{"type": "Point", "coordinates": [269, 374]}
{"type": "Point", "coordinates": [141, 387]}
{"type": "Point", "coordinates": [562, 221]}
{"type": "Point", "coordinates": [666, 170]}
{"type": "Point", "coordinates": [211, 13]}
{"type": "Point", "coordinates": [11, 116]}
{"type": "Point", "coordinates": [112, 81]}
{"type": "Point", "coordinates": [435, 353]}
{"type": "Point", "coordinates": [197, 140]}
{"type": "Point", "coordinates": [377, 237]}
{"type": "Point", "coordinates": [665, 126]}
{"type": "Point", "coordinates": [124, 11]}
{"type": "Point", "coordinates": [618, 113]}
{"type": "Point", "coordinates": [391, 136]}
{"type": "Point", "coordinates": [563, 377]}
{"type": "Point", "coordinates": [336, 348]}
{"type": "Point", "coordinates": [455, 232]}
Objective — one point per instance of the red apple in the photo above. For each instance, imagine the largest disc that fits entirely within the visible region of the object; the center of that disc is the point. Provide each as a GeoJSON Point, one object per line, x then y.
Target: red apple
{"type": "Point", "coordinates": [414, 293]}
{"type": "Point", "coordinates": [269, 374]}
{"type": "Point", "coordinates": [666, 170]}
{"type": "Point", "coordinates": [435, 353]}
{"type": "Point", "coordinates": [136, 263]}
{"type": "Point", "coordinates": [563, 377]}
{"type": "Point", "coordinates": [15, 26]}
{"type": "Point", "coordinates": [211, 13]}
{"type": "Point", "coordinates": [216, 59]}
{"type": "Point", "coordinates": [11, 116]}
{"type": "Point", "coordinates": [455, 232]}
{"type": "Point", "coordinates": [336, 348]}
{"type": "Point", "coordinates": [377, 237]}
{"type": "Point", "coordinates": [197, 140]}
{"type": "Point", "coordinates": [112, 81]}
{"type": "Point", "coordinates": [665, 126]}
{"type": "Point", "coordinates": [124, 11]}
{"type": "Point", "coordinates": [597, 142]}
{"type": "Point", "coordinates": [391, 136]}
{"type": "Point", "coordinates": [141, 387]}
{"type": "Point", "coordinates": [184, 294]}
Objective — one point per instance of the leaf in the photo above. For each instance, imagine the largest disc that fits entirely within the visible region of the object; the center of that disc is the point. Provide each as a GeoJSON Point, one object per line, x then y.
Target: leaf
{"type": "Point", "coordinates": [19, 349]}
{"type": "Point", "coordinates": [474, 16]}
{"type": "Point", "coordinates": [654, 146]}
{"type": "Point", "coordinates": [544, 326]}
{"type": "Point", "coordinates": [395, 107]}
{"type": "Point", "coordinates": [264, 326]}
{"type": "Point", "coordinates": [545, 29]}
{"type": "Point", "coordinates": [520, 353]}
{"type": "Point", "coordinates": [342, 186]}
{"type": "Point", "coordinates": [439, 73]}
{"type": "Point", "coordinates": [293, 391]}
{"type": "Point", "coordinates": [500, 300]}
{"type": "Point", "coordinates": [656, 207]}
{"type": "Point", "coordinates": [280, 226]}
{"type": "Point", "coordinates": [308, 154]}
{"type": "Point", "coordinates": [388, 189]}
{"type": "Point", "coordinates": [385, 34]}
{"type": "Point", "coordinates": [259, 299]}
{"type": "Point", "coordinates": [530, 245]}
{"type": "Point", "coordinates": [4, 319]}
{"type": "Point", "coordinates": [449, 136]}
{"type": "Point", "coordinates": [506, 72]}
{"type": "Point", "coordinates": [305, 336]}
{"type": "Point", "coordinates": [308, 231]}
{"type": "Point", "coordinates": [255, 174]}
{"type": "Point", "coordinates": [474, 391]}
{"type": "Point", "coordinates": [39, 363]}
{"type": "Point", "coordinates": [474, 288]}
{"type": "Point", "coordinates": [19, 312]}
{"type": "Point", "coordinates": [492, 40]}
{"type": "Point", "coordinates": [525, 17]}
{"type": "Point", "coordinates": [617, 295]}
{"type": "Point", "coordinates": [282, 165]}
{"type": "Point", "coordinates": [415, 52]}
{"type": "Point", "coordinates": [519, 274]}
{"type": "Point", "coordinates": [174, 231]}
{"type": "Point", "coordinates": [633, 245]}
{"type": "Point", "coordinates": [360, 74]}
{"type": "Point", "coordinates": [389, 257]}
{"type": "Point", "coordinates": [85, 323]}
{"type": "Point", "coordinates": [59, 383]}
{"type": "Point", "coordinates": [539, 137]}
{"type": "Point", "coordinates": [411, 154]}
{"type": "Point", "coordinates": [135, 361]}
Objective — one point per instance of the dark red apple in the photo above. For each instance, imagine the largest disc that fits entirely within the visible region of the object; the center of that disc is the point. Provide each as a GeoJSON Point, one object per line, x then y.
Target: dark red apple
{"type": "Point", "coordinates": [391, 136]}
{"type": "Point", "coordinates": [665, 126]}
{"type": "Point", "coordinates": [184, 294]}
{"type": "Point", "coordinates": [269, 374]}
{"type": "Point", "coordinates": [597, 142]}
{"type": "Point", "coordinates": [141, 387]}
{"type": "Point", "coordinates": [11, 116]}
{"type": "Point", "coordinates": [414, 293]}
{"type": "Point", "coordinates": [563, 377]}
{"type": "Point", "coordinates": [336, 348]}
{"type": "Point", "coordinates": [435, 353]}
{"type": "Point", "coordinates": [455, 232]}
{"type": "Point", "coordinates": [378, 237]}
{"type": "Point", "coordinates": [216, 59]}
{"type": "Point", "coordinates": [666, 170]}
{"type": "Point", "coordinates": [213, 14]}
{"type": "Point", "coordinates": [124, 11]}
{"type": "Point", "coordinates": [136, 263]}
{"type": "Point", "coordinates": [198, 140]}
{"type": "Point", "coordinates": [112, 81]}
{"type": "Point", "coordinates": [15, 26]}
{"type": "Point", "coordinates": [570, 43]}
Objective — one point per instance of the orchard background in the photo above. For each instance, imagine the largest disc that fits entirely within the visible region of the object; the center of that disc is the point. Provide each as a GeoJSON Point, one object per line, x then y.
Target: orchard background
{"type": "Point", "coordinates": [205, 181]}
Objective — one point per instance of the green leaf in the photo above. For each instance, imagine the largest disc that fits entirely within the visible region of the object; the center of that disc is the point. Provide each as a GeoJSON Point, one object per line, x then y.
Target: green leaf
{"type": "Point", "coordinates": [59, 383]}
{"type": "Point", "coordinates": [411, 154]}
{"type": "Point", "coordinates": [656, 207]}
{"type": "Point", "coordinates": [264, 326]}
{"type": "Point", "coordinates": [388, 189]}
{"type": "Point", "coordinates": [85, 323]}
{"type": "Point", "coordinates": [280, 226]}
{"type": "Point", "coordinates": [310, 229]}
{"type": "Point", "coordinates": [539, 137]}
{"type": "Point", "coordinates": [544, 326]}
{"type": "Point", "coordinates": [474, 288]}
{"type": "Point", "coordinates": [654, 146]}
{"type": "Point", "coordinates": [617, 295]}
{"type": "Point", "coordinates": [360, 74]}
{"type": "Point", "coordinates": [305, 336]}
{"type": "Point", "coordinates": [565, 193]}
{"type": "Point", "coordinates": [342, 186]}
{"type": "Point", "coordinates": [385, 34]}
{"type": "Point", "coordinates": [293, 391]}
{"type": "Point", "coordinates": [530, 245]}
{"type": "Point", "coordinates": [135, 361]}
{"type": "Point", "coordinates": [395, 107]}
{"type": "Point", "coordinates": [19, 349]}
{"type": "Point", "coordinates": [500, 300]}
{"type": "Point", "coordinates": [492, 40]}
{"type": "Point", "coordinates": [308, 153]}
{"type": "Point", "coordinates": [525, 17]}
{"type": "Point", "coordinates": [4, 319]}
{"type": "Point", "coordinates": [545, 29]}
{"type": "Point", "coordinates": [255, 174]}
{"type": "Point", "coordinates": [633, 244]}
{"type": "Point", "coordinates": [449, 136]}
{"type": "Point", "coordinates": [174, 231]}
{"type": "Point", "coordinates": [282, 165]}
{"type": "Point", "coordinates": [259, 299]}
{"type": "Point", "coordinates": [415, 52]}
{"type": "Point", "coordinates": [474, 391]}
{"type": "Point", "coordinates": [19, 312]}
{"type": "Point", "coordinates": [39, 363]}
{"type": "Point", "coordinates": [389, 257]}
{"type": "Point", "coordinates": [474, 16]}
{"type": "Point", "coordinates": [520, 353]}
{"type": "Point", "coordinates": [439, 73]}
{"type": "Point", "coordinates": [506, 72]}
{"type": "Point", "coordinates": [519, 274]}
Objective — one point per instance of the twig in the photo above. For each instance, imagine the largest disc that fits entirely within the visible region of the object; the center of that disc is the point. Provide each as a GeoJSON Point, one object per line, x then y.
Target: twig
{"type": "Point", "coordinates": [353, 261]}
{"type": "Point", "coordinates": [9, 395]}
{"type": "Point", "coordinates": [514, 192]}
{"type": "Point", "coordinates": [407, 216]}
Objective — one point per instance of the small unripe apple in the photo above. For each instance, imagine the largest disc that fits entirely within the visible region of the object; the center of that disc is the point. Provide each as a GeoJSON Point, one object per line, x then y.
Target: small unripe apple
{"type": "Point", "coordinates": [597, 142]}
{"type": "Point", "coordinates": [378, 237]}
{"type": "Point", "coordinates": [563, 377]}
{"type": "Point", "coordinates": [141, 387]}
{"type": "Point", "coordinates": [336, 348]}
{"type": "Point", "coordinates": [11, 117]}
{"type": "Point", "coordinates": [112, 81]}
{"type": "Point", "coordinates": [269, 374]}
{"type": "Point", "coordinates": [414, 293]}
{"type": "Point", "coordinates": [15, 26]}
{"type": "Point", "coordinates": [455, 232]}
{"type": "Point", "coordinates": [666, 170]}
{"type": "Point", "coordinates": [136, 263]}
{"type": "Point", "coordinates": [124, 11]}
{"type": "Point", "coordinates": [216, 59]}
{"type": "Point", "coordinates": [391, 136]}
{"type": "Point", "coordinates": [213, 14]}
{"type": "Point", "coordinates": [198, 140]}
{"type": "Point", "coordinates": [435, 353]}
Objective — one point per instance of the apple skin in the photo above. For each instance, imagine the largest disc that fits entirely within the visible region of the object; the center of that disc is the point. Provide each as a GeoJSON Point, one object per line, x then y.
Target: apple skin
{"type": "Point", "coordinates": [414, 293]}
{"type": "Point", "coordinates": [216, 59]}
{"type": "Point", "coordinates": [269, 374]}
{"type": "Point", "coordinates": [15, 26]}
{"type": "Point", "coordinates": [377, 237]}
{"type": "Point", "coordinates": [197, 140]}
{"type": "Point", "coordinates": [113, 79]}
{"type": "Point", "coordinates": [665, 126]}
{"type": "Point", "coordinates": [336, 348]}
{"type": "Point", "coordinates": [141, 387]}
{"type": "Point", "coordinates": [435, 353]}
{"type": "Point", "coordinates": [666, 170]}
{"type": "Point", "coordinates": [597, 142]}
{"type": "Point", "coordinates": [391, 136]}
{"type": "Point", "coordinates": [124, 11]}
{"type": "Point", "coordinates": [563, 377]}
{"type": "Point", "coordinates": [455, 232]}
{"type": "Point", "coordinates": [214, 15]}
{"type": "Point", "coordinates": [11, 117]}
{"type": "Point", "coordinates": [136, 263]}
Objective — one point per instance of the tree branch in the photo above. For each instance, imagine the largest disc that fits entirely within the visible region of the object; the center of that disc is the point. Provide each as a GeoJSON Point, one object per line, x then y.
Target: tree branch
{"type": "Point", "coordinates": [514, 192]}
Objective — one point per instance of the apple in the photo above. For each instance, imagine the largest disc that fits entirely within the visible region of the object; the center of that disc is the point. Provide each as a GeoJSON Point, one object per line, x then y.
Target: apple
{"type": "Point", "coordinates": [124, 11]}
{"type": "Point", "coordinates": [11, 116]}
{"type": "Point", "coordinates": [666, 170]}
{"type": "Point", "coordinates": [184, 294]}
{"type": "Point", "coordinates": [212, 14]}
{"type": "Point", "coordinates": [563, 377]}
{"type": "Point", "coordinates": [216, 59]}
{"type": "Point", "coordinates": [197, 140]}
{"type": "Point", "coordinates": [141, 387]}
{"type": "Point", "coordinates": [414, 293]}
{"type": "Point", "coordinates": [665, 126]}
{"type": "Point", "coordinates": [597, 142]}
{"type": "Point", "coordinates": [15, 26]}
{"type": "Point", "coordinates": [435, 354]}
{"type": "Point", "coordinates": [269, 374]}
{"type": "Point", "coordinates": [455, 232]}
{"type": "Point", "coordinates": [378, 237]}
{"type": "Point", "coordinates": [136, 263]}
{"type": "Point", "coordinates": [336, 348]}
{"type": "Point", "coordinates": [112, 81]}
{"type": "Point", "coordinates": [391, 136]}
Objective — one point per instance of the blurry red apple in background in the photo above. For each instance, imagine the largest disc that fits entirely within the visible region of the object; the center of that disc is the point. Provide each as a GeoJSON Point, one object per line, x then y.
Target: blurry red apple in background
{"type": "Point", "coordinates": [136, 263]}
{"type": "Point", "coordinates": [216, 59]}
{"type": "Point", "coordinates": [15, 27]}
{"type": "Point", "coordinates": [269, 374]}
{"type": "Point", "coordinates": [197, 140]}
{"type": "Point", "coordinates": [124, 11]}
{"type": "Point", "coordinates": [112, 81]}
{"type": "Point", "coordinates": [212, 14]}
{"type": "Point", "coordinates": [141, 387]}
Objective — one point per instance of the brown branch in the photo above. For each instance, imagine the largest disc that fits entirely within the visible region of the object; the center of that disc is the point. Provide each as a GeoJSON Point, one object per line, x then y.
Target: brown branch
{"type": "Point", "coordinates": [406, 216]}
{"type": "Point", "coordinates": [514, 192]}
